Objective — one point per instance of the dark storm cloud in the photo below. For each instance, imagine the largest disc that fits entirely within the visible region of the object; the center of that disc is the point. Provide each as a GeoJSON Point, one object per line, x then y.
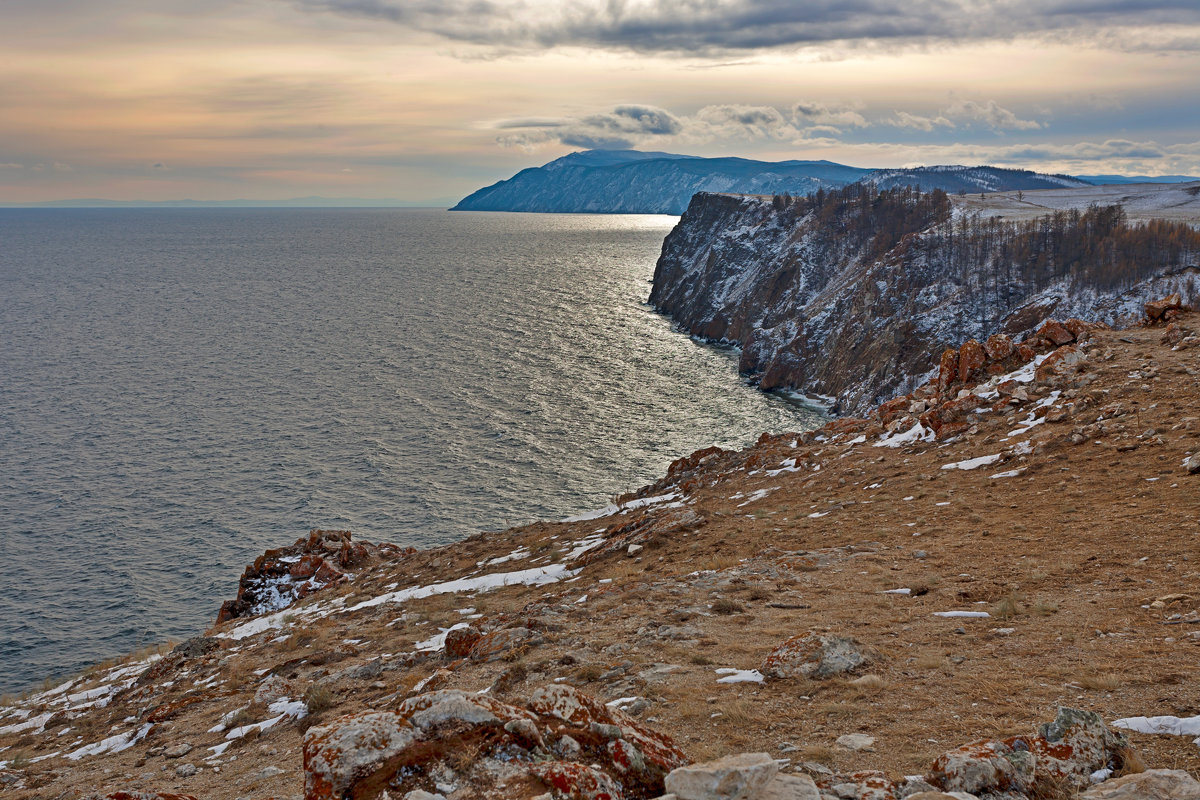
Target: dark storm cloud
{"type": "Point", "coordinates": [710, 26]}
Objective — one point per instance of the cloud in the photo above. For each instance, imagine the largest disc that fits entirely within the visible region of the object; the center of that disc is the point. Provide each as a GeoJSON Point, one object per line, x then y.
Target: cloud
{"type": "Point", "coordinates": [904, 119]}
{"type": "Point", "coordinates": [692, 27]}
{"type": "Point", "coordinates": [965, 112]}
{"type": "Point", "coordinates": [624, 127]}
{"type": "Point", "coordinates": [807, 114]}
{"type": "Point", "coordinates": [634, 125]}
{"type": "Point", "coordinates": [11, 165]}
{"type": "Point", "coordinates": [991, 114]}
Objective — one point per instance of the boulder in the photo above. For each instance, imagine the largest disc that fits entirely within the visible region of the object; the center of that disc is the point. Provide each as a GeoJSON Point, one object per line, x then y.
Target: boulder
{"type": "Point", "coordinates": [1192, 463]}
{"type": "Point", "coordinates": [1154, 784]}
{"type": "Point", "coordinates": [352, 749]}
{"type": "Point", "coordinates": [999, 347]}
{"type": "Point", "coordinates": [947, 369]}
{"type": "Point", "coordinates": [983, 767]}
{"type": "Point", "coordinates": [737, 777]}
{"type": "Point", "coordinates": [971, 357]}
{"type": "Point", "coordinates": [941, 796]}
{"type": "Point", "coordinates": [1054, 333]}
{"type": "Point", "coordinates": [1157, 309]}
{"type": "Point", "coordinates": [459, 641]}
{"type": "Point", "coordinates": [813, 655]}
{"type": "Point", "coordinates": [1066, 751]}
{"type": "Point", "coordinates": [791, 787]}
{"type": "Point", "coordinates": [147, 795]}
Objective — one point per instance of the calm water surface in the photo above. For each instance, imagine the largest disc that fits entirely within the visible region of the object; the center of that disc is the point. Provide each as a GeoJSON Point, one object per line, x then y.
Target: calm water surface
{"type": "Point", "coordinates": [181, 389]}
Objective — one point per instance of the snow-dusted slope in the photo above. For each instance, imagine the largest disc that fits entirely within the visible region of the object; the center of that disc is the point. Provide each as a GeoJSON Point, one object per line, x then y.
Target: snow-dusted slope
{"type": "Point", "coordinates": [1141, 201]}
{"type": "Point", "coordinates": [817, 309]}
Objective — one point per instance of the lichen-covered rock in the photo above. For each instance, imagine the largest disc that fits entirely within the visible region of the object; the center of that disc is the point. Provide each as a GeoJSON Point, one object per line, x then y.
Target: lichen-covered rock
{"type": "Point", "coordinates": [1153, 784]}
{"type": "Point", "coordinates": [1064, 752]}
{"type": "Point", "coordinates": [1074, 745]}
{"type": "Point", "coordinates": [736, 777]}
{"type": "Point", "coordinates": [141, 795]}
{"type": "Point", "coordinates": [983, 767]}
{"type": "Point", "coordinates": [459, 641]}
{"type": "Point", "coordinates": [813, 655]}
{"type": "Point", "coordinates": [573, 781]}
{"type": "Point", "coordinates": [351, 749]}
{"type": "Point", "coordinates": [564, 741]}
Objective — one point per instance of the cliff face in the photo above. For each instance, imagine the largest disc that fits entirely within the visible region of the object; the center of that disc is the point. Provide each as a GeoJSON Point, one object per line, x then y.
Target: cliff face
{"type": "Point", "coordinates": [848, 296]}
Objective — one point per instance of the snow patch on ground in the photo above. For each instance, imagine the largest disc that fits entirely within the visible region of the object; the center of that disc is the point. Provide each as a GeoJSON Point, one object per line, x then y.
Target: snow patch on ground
{"type": "Point", "coordinates": [917, 433]}
{"type": "Point", "coordinates": [739, 675]}
{"type": "Point", "coordinates": [608, 511]}
{"type": "Point", "coordinates": [973, 463]}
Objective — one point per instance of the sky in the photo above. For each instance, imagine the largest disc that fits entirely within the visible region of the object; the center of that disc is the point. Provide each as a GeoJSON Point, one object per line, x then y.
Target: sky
{"type": "Point", "coordinates": [426, 100]}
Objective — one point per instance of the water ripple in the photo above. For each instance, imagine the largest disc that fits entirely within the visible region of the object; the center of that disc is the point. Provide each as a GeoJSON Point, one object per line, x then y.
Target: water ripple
{"type": "Point", "coordinates": [181, 389]}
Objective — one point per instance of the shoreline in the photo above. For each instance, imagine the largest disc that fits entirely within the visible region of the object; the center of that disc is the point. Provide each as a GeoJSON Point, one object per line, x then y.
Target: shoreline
{"type": "Point", "coordinates": [681, 607]}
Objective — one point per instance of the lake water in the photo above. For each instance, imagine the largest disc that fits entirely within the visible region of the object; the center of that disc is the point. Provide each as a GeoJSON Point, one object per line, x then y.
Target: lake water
{"type": "Point", "coordinates": [181, 389]}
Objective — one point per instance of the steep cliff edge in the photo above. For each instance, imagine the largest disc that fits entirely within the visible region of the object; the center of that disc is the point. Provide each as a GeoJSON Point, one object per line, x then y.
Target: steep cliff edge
{"type": "Point", "coordinates": [847, 294]}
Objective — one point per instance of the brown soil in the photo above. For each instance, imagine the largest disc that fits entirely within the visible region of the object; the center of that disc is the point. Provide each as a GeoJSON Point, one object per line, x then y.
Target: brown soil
{"type": "Point", "coordinates": [1068, 557]}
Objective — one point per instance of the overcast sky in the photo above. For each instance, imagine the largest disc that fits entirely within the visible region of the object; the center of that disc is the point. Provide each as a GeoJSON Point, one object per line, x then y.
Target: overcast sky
{"type": "Point", "coordinates": [426, 100]}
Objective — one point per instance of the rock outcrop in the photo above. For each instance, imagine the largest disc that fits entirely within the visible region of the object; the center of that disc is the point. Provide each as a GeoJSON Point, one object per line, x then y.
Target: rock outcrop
{"type": "Point", "coordinates": [561, 741]}
{"type": "Point", "coordinates": [282, 576]}
{"type": "Point", "coordinates": [846, 296]}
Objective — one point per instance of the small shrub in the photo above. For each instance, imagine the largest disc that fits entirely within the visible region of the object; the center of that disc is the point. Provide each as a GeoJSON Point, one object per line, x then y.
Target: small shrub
{"type": "Point", "coordinates": [701, 661]}
{"type": "Point", "coordinates": [726, 606]}
{"type": "Point", "coordinates": [868, 684]}
{"type": "Point", "coordinates": [318, 698]}
{"type": "Point", "coordinates": [1008, 607]}
{"type": "Point", "coordinates": [589, 673]}
{"type": "Point", "coordinates": [1107, 682]}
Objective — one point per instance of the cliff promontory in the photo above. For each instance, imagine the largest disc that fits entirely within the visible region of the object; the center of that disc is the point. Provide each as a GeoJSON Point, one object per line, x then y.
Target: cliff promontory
{"type": "Point", "coordinates": [846, 294]}
{"type": "Point", "coordinates": [985, 588]}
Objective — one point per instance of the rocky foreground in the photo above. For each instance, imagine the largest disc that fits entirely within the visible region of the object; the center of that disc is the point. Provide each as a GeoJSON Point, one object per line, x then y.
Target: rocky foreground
{"type": "Point", "coordinates": [987, 588]}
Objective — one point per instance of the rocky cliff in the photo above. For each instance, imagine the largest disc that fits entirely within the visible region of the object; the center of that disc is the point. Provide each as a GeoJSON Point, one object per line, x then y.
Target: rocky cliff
{"type": "Point", "coordinates": [847, 294]}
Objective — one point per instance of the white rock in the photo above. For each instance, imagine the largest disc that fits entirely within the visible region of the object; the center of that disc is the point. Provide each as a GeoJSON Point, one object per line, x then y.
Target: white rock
{"type": "Point", "coordinates": [791, 787]}
{"type": "Point", "coordinates": [856, 741]}
{"type": "Point", "coordinates": [738, 777]}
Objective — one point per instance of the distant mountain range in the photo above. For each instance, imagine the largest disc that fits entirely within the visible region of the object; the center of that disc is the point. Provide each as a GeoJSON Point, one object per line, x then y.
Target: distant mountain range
{"type": "Point", "coordinates": [634, 182]}
{"type": "Point", "coordinates": [295, 202]}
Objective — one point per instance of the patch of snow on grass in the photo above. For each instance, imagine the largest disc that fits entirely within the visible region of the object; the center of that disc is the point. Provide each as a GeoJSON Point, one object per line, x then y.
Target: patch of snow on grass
{"type": "Point", "coordinates": [756, 495]}
{"type": "Point", "coordinates": [917, 433]}
{"type": "Point", "coordinates": [739, 675]}
{"type": "Point", "coordinates": [536, 576]}
{"type": "Point", "coordinates": [1012, 473]}
{"type": "Point", "coordinates": [608, 511]}
{"type": "Point", "coordinates": [964, 614]}
{"type": "Point", "coordinates": [113, 744]}
{"type": "Point", "coordinates": [438, 640]}
{"type": "Point", "coordinates": [515, 555]}
{"type": "Point", "coordinates": [1175, 726]}
{"type": "Point", "coordinates": [973, 463]}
